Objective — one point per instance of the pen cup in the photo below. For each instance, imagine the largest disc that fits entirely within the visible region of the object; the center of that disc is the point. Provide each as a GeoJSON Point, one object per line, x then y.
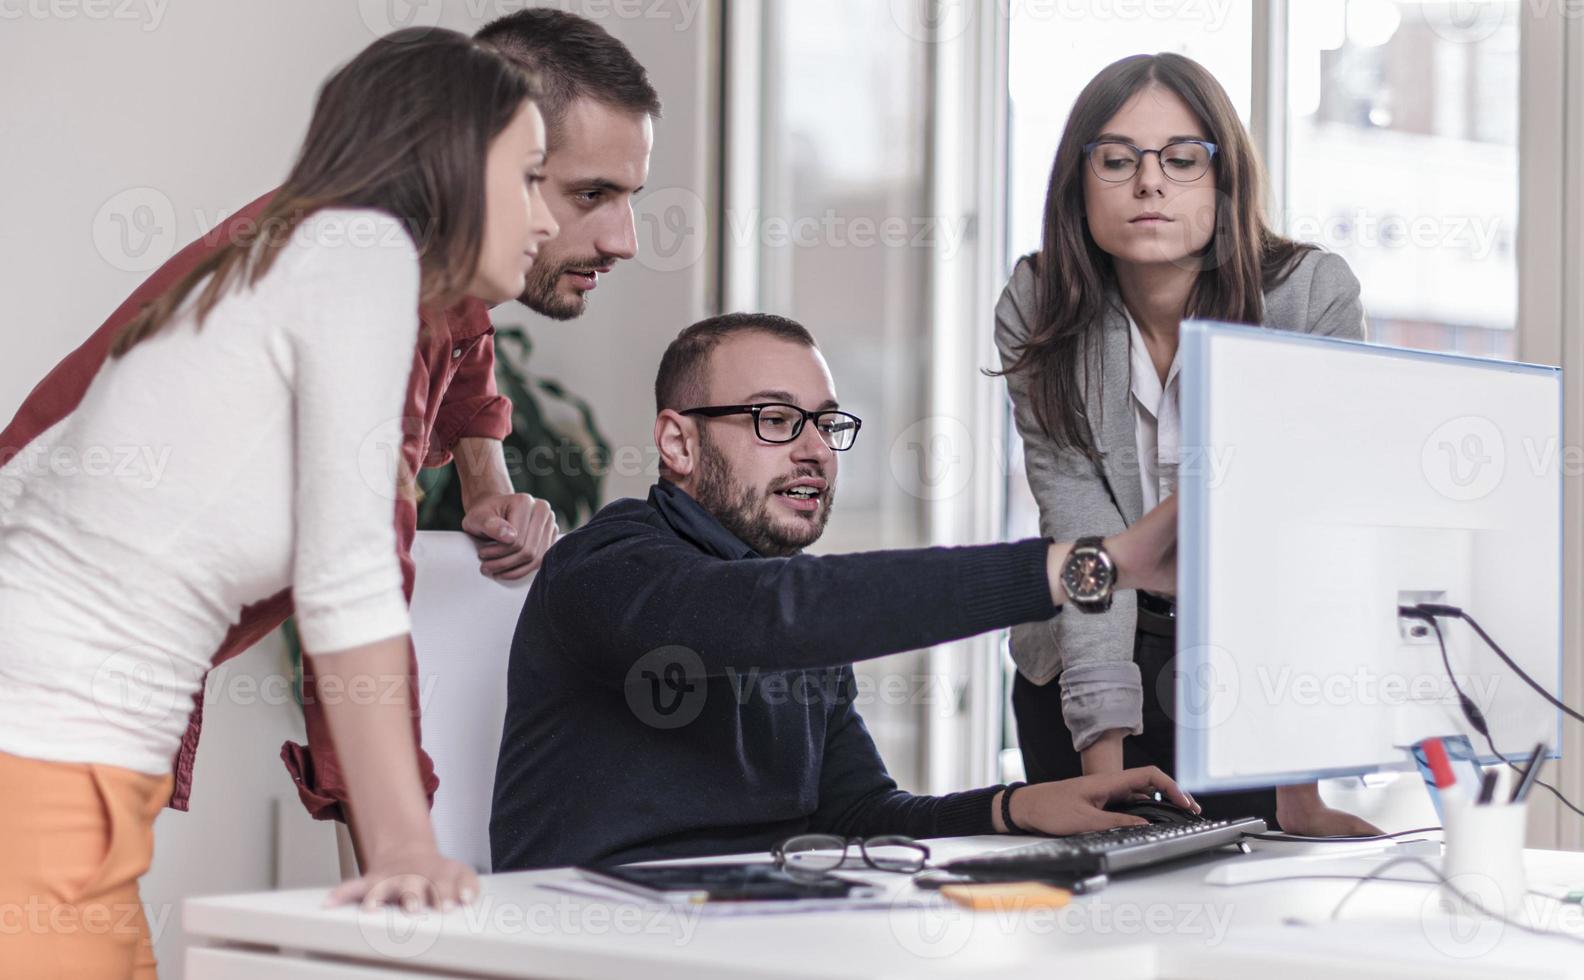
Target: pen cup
{"type": "Point", "coordinates": [1484, 858]}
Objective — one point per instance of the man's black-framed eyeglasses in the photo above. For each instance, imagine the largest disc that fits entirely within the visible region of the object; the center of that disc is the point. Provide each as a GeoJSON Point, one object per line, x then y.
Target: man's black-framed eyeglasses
{"type": "Point", "coordinates": [814, 854]}
{"type": "Point", "coordinates": [1183, 161]}
{"type": "Point", "coordinates": [779, 422]}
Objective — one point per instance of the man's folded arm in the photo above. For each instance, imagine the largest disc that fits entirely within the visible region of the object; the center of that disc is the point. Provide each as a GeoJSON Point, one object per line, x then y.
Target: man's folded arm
{"type": "Point", "coordinates": [783, 613]}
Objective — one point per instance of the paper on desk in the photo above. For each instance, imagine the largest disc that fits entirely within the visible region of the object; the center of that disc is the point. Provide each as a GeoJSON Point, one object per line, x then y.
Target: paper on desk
{"type": "Point", "coordinates": [897, 900]}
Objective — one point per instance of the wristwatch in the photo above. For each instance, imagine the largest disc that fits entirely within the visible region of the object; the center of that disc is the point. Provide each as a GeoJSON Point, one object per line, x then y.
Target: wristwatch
{"type": "Point", "coordinates": [1089, 575]}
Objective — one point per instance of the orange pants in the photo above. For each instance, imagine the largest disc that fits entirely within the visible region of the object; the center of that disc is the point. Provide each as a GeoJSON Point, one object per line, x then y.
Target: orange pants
{"type": "Point", "coordinates": [74, 839]}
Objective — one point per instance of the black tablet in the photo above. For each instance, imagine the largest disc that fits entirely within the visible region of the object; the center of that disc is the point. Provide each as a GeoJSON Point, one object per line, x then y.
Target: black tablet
{"type": "Point", "coordinates": [723, 883]}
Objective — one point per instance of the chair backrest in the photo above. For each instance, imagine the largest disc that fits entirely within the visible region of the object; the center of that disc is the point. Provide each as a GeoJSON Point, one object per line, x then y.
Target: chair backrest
{"type": "Point", "coordinates": [462, 625]}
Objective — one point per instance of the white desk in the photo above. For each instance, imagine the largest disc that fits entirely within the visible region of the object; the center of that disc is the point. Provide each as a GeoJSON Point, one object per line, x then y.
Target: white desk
{"type": "Point", "coordinates": [1167, 924]}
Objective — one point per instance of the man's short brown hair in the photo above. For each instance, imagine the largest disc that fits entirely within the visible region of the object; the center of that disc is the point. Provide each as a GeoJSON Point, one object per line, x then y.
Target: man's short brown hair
{"type": "Point", "coordinates": [572, 58]}
{"type": "Point", "coordinates": [680, 382]}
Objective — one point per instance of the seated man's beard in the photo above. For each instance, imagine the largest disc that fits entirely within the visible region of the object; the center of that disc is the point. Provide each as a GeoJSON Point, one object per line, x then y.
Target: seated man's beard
{"type": "Point", "coordinates": [540, 293]}
{"type": "Point", "coordinates": [745, 511]}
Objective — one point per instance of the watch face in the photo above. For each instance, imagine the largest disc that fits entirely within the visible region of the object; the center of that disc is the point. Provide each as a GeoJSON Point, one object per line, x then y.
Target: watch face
{"type": "Point", "coordinates": [1087, 575]}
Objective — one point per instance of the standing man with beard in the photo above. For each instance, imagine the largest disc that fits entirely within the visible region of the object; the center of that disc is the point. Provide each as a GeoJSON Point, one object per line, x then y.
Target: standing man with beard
{"type": "Point", "coordinates": [681, 680]}
{"type": "Point", "coordinates": [598, 107]}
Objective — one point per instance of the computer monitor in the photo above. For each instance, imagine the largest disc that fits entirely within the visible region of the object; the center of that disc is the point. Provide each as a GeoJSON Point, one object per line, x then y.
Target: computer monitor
{"type": "Point", "coordinates": [1322, 484]}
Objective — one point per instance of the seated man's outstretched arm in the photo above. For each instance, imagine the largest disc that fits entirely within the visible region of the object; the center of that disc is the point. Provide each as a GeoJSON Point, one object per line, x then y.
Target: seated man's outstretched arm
{"type": "Point", "coordinates": [783, 613]}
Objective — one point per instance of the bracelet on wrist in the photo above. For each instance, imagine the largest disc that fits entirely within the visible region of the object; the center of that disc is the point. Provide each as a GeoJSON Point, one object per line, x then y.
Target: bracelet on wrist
{"type": "Point", "coordinates": [1006, 809]}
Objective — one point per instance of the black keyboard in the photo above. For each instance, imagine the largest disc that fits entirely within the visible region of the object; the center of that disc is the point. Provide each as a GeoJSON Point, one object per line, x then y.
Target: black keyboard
{"type": "Point", "coordinates": [1106, 852]}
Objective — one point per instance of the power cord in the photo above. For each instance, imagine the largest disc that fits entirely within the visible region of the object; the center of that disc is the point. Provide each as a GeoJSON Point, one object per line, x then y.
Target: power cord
{"type": "Point", "coordinates": [1429, 610]}
{"type": "Point", "coordinates": [1432, 613]}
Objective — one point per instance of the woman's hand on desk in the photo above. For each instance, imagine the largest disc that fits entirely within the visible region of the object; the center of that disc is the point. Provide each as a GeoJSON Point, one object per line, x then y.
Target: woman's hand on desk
{"type": "Point", "coordinates": [1076, 806]}
{"type": "Point", "coordinates": [1301, 811]}
{"type": "Point", "coordinates": [416, 879]}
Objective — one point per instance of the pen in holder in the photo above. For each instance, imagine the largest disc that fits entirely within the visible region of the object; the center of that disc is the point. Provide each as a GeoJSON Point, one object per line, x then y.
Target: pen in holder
{"type": "Point", "coordinates": [1484, 858]}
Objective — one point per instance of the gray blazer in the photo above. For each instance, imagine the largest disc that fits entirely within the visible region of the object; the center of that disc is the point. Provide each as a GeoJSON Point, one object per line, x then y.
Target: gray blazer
{"type": "Point", "coordinates": [1093, 655]}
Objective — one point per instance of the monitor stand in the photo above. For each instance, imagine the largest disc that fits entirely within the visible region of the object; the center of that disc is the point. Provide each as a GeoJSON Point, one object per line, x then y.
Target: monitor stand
{"type": "Point", "coordinates": [1352, 859]}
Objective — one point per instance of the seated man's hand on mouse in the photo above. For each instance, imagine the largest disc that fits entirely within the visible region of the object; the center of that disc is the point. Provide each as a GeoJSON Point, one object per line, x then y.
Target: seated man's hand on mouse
{"type": "Point", "coordinates": [1076, 806]}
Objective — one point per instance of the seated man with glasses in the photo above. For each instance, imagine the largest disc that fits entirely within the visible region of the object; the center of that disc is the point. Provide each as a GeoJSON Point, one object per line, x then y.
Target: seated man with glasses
{"type": "Point", "coordinates": [681, 680]}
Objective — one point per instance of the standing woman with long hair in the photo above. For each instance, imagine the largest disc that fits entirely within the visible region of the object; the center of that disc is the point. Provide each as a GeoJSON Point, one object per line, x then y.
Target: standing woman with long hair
{"type": "Point", "coordinates": [256, 382]}
{"type": "Point", "coordinates": [1153, 215]}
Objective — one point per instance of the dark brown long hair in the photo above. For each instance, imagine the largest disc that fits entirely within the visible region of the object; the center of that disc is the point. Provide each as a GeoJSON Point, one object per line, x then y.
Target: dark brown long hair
{"type": "Point", "coordinates": [1075, 279]}
{"type": "Point", "coordinates": [404, 128]}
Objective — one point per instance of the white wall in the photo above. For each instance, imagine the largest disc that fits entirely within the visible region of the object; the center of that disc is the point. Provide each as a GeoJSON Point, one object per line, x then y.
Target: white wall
{"type": "Point", "coordinates": [190, 110]}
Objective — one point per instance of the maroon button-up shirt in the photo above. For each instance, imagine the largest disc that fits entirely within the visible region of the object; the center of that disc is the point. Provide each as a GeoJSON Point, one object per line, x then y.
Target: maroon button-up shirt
{"type": "Point", "coordinates": [450, 396]}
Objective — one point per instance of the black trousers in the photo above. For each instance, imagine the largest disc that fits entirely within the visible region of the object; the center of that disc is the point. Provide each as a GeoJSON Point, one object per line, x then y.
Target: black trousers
{"type": "Point", "coordinates": [1047, 745]}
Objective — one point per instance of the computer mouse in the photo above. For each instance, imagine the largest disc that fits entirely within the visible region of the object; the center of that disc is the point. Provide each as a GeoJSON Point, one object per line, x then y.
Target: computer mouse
{"type": "Point", "coordinates": [1156, 811]}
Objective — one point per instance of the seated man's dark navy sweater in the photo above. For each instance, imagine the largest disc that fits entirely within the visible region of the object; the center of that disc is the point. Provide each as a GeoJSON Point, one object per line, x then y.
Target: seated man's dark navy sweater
{"type": "Point", "coordinates": [673, 694]}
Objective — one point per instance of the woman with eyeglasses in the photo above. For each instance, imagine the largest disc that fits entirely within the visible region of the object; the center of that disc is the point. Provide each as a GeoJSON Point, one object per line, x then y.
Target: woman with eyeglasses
{"type": "Point", "coordinates": [1153, 215]}
{"type": "Point", "coordinates": [258, 382]}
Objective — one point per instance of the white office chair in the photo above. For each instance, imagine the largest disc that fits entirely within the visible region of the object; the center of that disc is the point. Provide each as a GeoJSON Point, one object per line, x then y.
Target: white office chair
{"type": "Point", "coordinates": [462, 626]}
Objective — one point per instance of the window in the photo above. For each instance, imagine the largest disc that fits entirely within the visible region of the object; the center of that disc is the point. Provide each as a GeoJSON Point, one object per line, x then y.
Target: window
{"type": "Point", "coordinates": [1403, 158]}
{"type": "Point", "coordinates": [841, 239]}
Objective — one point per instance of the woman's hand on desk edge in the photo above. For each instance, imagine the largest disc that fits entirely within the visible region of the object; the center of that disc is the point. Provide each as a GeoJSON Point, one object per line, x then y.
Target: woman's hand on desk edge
{"type": "Point", "coordinates": [1301, 811]}
{"type": "Point", "coordinates": [1076, 806]}
{"type": "Point", "coordinates": [386, 807]}
{"type": "Point", "coordinates": [415, 878]}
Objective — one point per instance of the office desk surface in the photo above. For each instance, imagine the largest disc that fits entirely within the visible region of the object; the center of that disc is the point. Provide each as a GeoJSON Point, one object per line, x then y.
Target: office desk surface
{"type": "Point", "coordinates": [1156, 924]}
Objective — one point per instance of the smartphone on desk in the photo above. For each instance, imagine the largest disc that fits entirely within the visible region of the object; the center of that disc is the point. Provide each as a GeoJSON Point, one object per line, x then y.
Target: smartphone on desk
{"type": "Point", "coordinates": [699, 883]}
